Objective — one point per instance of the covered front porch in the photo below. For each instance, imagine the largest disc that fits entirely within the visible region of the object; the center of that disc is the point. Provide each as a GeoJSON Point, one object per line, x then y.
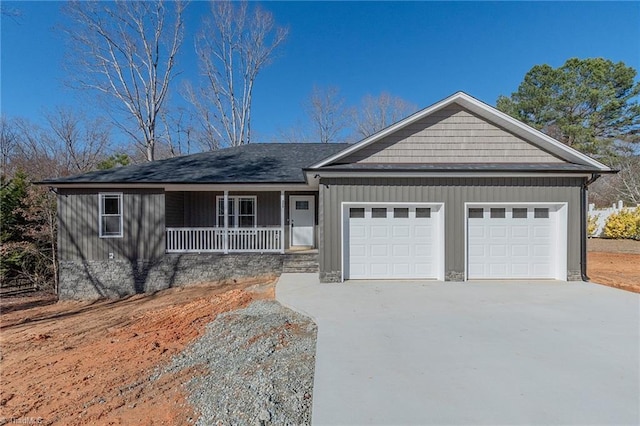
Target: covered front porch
{"type": "Point", "coordinates": [229, 221]}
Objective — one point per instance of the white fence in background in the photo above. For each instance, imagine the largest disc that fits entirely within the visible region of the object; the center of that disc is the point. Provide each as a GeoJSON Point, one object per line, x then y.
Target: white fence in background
{"type": "Point", "coordinates": [601, 215]}
{"type": "Point", "coordinates": [225, 240]}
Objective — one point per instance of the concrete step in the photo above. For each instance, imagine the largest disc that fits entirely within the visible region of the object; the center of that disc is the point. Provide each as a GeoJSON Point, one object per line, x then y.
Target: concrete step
{"type": "Point", "coordinates": [300, 263]}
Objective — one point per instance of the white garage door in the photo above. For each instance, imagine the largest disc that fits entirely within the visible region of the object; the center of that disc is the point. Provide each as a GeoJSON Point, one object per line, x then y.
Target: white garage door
{"type": "Point", "coordinates": [392, 241]}
{"type": "Point", "coordinates": [517, 241]}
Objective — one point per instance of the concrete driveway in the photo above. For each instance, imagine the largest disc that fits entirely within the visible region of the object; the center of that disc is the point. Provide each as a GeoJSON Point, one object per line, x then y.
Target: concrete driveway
{"type": "Point", "coordinates": [434, 353]}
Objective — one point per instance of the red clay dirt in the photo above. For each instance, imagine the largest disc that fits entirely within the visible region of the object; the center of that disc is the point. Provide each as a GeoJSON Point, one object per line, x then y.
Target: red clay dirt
{"type": "Point", "coordinates": [615, 263]}
{"type": "Point", "coordinates": [73, 363]}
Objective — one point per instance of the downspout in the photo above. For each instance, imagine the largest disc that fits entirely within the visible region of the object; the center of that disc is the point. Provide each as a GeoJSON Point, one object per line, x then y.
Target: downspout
{"type": "Point", "coordinates": [583, 228]}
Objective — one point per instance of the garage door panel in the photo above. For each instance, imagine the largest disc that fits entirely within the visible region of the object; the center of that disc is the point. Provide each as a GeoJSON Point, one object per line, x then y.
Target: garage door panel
{"type": "Point", "coordinates": [380, 250]}
{"type": "Point", "coordinates": [358, 250]}
{"type": "Point", "coordinates": [540, 269]}
{"type": "Point", "coordinates": [356, 231]}
{"type": "Point", "coordinates": [540, 250]}
{"type": "Point", "coordinates": [379, 231]}
{"type": "Point", "coordinates": [379, 269]}
{"type": "Point", "coordinates": [400, 231]}
{"type": "Point", "coordinates": [520, 270]}
{"type": "Point", "coordinates": [423, 250]}
{"type": "Point", "coordinates": [520, 231]}
{"type": "Point", "coordinates": [401, 270]}
{"type": "Point", "coordinates": [400, 250]}
{"type": "Point", "coordinates": [498, 250]}
{"type": "Point", "coordinates": [400, 245]}
{"type": "Point", "coordinates": [541, 231]}
{"type": "Point", "coordinates": [357, 269]}
{"type": "Point", "coordinates": [422, 231]}
{"type": "Point", "coordinates": [425, 269]}
{"type": "Point", "coordinates": [498, 269]}
{"type": "Point", "coordinates": [476, 250]}
{"type": "Point", "coordinates": [520, 250]}
{"type": "Point", "coordinates": [497, 232]}
{"type": "Point", "coordinates": [476, 231]}
{"type": "Point", "coordinates": [477, 269]}
{"type": "Point", "coordinates": [519, 245]}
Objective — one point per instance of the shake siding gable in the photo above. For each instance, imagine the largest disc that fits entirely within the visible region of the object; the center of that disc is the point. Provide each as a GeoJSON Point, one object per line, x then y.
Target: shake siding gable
{"type": "Point", "coordinates": [451, 135]}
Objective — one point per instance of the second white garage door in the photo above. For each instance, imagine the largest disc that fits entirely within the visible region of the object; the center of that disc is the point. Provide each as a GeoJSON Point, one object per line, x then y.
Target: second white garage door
{"type": "Point", "coordinates": [516, 241]}
{"type": "Point", "coordinates": [398, 241]}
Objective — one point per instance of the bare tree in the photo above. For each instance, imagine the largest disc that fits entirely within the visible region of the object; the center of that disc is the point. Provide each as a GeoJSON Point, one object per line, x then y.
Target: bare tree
{"type": "Point", "coordinates": [8, 143]}
{"type": "Point", "coordinates": [376, 113]}
{"type": "Point", "coordinates": [178, 132]}
{"type": "Point", "coordinates": [328, 114]}
{"type": "Point", "coordinates": [127, 50]}
{"type": "Point", "coordinates": [10, 12]}
{"type": "Point", "coordinates": [628, 179]}
{"type": "Point", "coordinates": [233, 47]}
{"type": "Point", "coordinates": [83, 143]}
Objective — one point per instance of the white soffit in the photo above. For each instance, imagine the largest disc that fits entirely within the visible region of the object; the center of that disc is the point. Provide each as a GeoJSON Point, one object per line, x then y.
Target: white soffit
{"type": "Point", "coordinates": [487, 112]}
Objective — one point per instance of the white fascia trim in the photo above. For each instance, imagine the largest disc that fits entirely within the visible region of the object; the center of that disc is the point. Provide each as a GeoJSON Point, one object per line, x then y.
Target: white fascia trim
{"type": "Point", "coordinates": [486, 111]}
{"type": "Point", "coordinates": [330, 174]}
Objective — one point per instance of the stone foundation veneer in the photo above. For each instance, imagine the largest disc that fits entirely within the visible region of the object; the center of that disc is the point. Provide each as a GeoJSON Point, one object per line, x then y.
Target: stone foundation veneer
{"type": "Point", "coordinates": [331, 277]}
{"type": "Point", "coordinates": [454, 276]}
{"type": "Point", "coordinates": [118, 278]}
{"type": "Point", "coordinates": [574, 276]}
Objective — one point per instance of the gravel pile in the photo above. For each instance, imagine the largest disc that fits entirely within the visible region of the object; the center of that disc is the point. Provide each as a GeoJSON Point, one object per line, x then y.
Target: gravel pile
{"type": "Point", "coordinates": [259, 361]}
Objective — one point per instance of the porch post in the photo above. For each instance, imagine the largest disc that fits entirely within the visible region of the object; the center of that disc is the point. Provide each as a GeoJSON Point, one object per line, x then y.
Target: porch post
{"type": "Point", "coordinates": [226, 221]}
{"type": "Point", "coordinates": [282, 221]}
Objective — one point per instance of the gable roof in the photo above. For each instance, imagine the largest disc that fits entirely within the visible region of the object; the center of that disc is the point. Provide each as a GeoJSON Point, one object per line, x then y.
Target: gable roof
{"type": "Point", "coordinates": [252, 163]}
{"type": "Point", "coordinates": [535, 137]}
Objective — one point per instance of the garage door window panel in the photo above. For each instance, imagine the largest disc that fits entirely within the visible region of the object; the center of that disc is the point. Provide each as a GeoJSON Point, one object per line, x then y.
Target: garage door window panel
{"type": "Point", "coordinates": [541, 213]}
{"type": "Point", "coordinates": [401, 213]}
{"type": "Point", "coordinates": [379, 213]}
{"type": "Point", "coordinates": [498, 213]}
{"type": "Point", "coordinates": [476, 213]}
{"type": "Point", "coordinates": [423, 212]}
{"type": "Point", "coordinates": [519, 213]}
{"type": "Point", "coordinates": [356, 213]}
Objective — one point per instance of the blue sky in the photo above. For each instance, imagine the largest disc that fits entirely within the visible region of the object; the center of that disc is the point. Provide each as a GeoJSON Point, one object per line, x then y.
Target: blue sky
{"type": "Point", "coordinates": [420, 51]}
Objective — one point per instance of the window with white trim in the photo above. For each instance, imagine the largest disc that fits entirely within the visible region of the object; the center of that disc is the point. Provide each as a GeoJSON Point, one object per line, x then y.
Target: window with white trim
{"type": "Point", "coordinates": [241, 211]}
{"type": "Point", "coordinates": [110, 216]}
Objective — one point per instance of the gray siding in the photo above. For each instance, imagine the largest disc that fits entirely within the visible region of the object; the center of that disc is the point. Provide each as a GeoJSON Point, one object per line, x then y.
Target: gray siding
{"type": "Point", "coordinates": [453, 192]}
{"type": "Point", "coordinates": [174, 209]}
{"type": "Point", "coordinates": [198, 208]}
{"type": "Point", "coordinates": [143, 226]}
{"type": "Point", "coordinates": [451, 135]}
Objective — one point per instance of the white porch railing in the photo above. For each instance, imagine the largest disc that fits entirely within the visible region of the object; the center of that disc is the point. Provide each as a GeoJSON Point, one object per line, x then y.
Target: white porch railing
{"type": "Point", "coordinates": [249, 240]}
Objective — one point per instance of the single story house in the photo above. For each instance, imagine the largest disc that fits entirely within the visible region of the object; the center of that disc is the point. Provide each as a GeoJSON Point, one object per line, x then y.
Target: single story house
{"type": "Point", "coordinates": [457, 191]}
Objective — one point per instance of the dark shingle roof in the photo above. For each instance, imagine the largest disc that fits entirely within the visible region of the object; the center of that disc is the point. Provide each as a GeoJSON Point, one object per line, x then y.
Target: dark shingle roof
{"type": "Point", "coordinates": [252, 163]}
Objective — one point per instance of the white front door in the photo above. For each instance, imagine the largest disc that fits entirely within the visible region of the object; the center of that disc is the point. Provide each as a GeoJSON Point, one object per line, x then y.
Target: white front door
{"type": "Point", "coordinates": [301, 220]}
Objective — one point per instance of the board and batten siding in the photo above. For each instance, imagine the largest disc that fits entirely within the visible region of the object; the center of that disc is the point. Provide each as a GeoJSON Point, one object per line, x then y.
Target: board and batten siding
{"type": "Point", "coordinates": [198, 208]}
{"type": "Point", "coordinates": [143, 226]}
{"type": "Point", "coordinates": [451, 135]}
{"type": "Point", "coordinates": [454, 193]}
